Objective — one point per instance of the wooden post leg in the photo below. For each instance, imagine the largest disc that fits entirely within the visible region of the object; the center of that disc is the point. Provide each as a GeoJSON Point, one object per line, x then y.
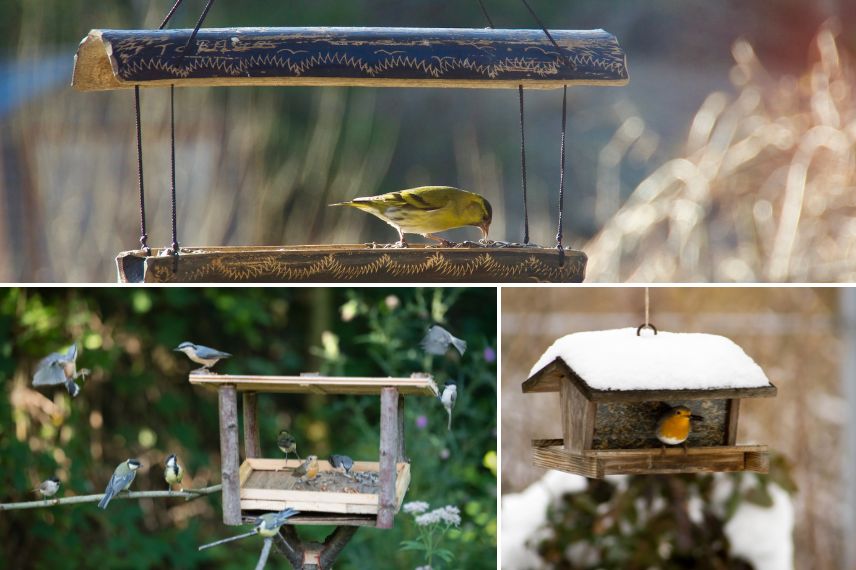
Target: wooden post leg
{"type": "Point", "coordinates": [252, 445]}
{"type": "Point", "coordinates": [228, 400]}
{"type": "Point", "coordinates": [389, 450]}
{"type": "Point", "coordinates": [402, 451]}
{"type": "Point", "coordinates": [312, 555]}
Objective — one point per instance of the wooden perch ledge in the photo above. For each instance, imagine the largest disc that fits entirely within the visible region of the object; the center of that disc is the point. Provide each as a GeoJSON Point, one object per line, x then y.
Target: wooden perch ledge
{"type": "Point", "coordinates": [415, 385]}
{"type": "Point", "coordinates": [369, 57]}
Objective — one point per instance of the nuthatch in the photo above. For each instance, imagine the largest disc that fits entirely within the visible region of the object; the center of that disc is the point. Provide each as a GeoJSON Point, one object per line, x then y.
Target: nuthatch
{"type": "Point", "coordinates": [59, 368]}
{"type": "Point", "coordinates": [287, 444]}
{"type": "Point", "coordinates": [673, 427]}
{"type": "Point", "coordinates": [448, 397]}
{"type": "Point", "coordinates": [172, 473]}
{"type": "Point", "coordinates": [342, 462]}
{"type": "Point", "coordinates": [203, 355]}
{"type": "Point", "coordinates": [48, 488]}
{"type": "Point", "coordinates": [438, 339]}
{"type": "Point", "coordinates": [307, 471]}
{"type": "Point", "coordinates": [122, 478]}
{"type": "Point", "coordinates": [268, 524]}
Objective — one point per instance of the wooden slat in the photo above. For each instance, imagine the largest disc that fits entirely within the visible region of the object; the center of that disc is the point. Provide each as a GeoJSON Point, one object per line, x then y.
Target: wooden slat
{"type": "Point", "coordinates": [389, 447]}
{"type": "Point", "coordinates": [318, 497]}
{"type": "Point", "coordinates": [599, 463]}
{"type": "Point", "coordinates": [228, 408]}
{"type": "Point", "coordinates": [578, 417]}
{"type": "Point", "coordinates": [252, 445]}
{"type": "Point", "coordinates": [548, 379]}
{"type": "Point", "coordinates": [267, 464]}
{"type": "Point", "coordinates": [353, 264]}
{"type": "Point", "coordinates": [402, 482]}
{"type": "Point", "coordinates": [252, 509]}
{"type": "Point", "coordinates": [309, 506]}
{"type": "Point", "coordinates": [370, 57]}
{"type": "Point", "coordinates": [733, 416]}
{"type": "Point", "coordinates": [416, 385]}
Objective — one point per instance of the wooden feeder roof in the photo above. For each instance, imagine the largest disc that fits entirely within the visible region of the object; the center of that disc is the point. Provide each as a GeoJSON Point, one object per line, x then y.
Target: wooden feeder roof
{"type": "Point", "coordinates": [371, 57]}
{"type": "Point", "coordinates": [414, 385]}
{"type": "Point", "coordinates": [619, 366]}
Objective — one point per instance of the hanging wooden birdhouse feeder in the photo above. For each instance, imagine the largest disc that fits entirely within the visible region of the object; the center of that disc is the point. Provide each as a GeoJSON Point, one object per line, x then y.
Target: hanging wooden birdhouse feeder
{"type": "Point", "coordinates": [364, 57]}
{"type": "Point", "coordinates": [619, 388]}
{"type": "Point", "coordinates": [265, 484]}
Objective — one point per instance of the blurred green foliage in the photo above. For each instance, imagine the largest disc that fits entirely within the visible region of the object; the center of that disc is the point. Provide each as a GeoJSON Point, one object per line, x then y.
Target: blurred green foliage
{"type": "Point", "coordinates": [138, 403]}
{"type": "Point", "coordinates": [669, 522]}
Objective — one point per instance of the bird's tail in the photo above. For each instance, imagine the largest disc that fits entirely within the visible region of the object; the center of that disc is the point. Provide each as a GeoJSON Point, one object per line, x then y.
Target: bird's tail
{"type": "Point", "coordinates": [461, 345]}
{"type": "Point", "coordinates": [450, 419]}
{"type": "Point", "coordinates": [105, 500]}
{"type": "Point", "coordinates": [73, 388]}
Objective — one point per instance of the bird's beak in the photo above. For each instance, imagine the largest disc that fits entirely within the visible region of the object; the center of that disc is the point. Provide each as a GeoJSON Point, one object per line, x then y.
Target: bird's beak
{"type": "Point", "coordinates": [484, 228]}
{"type": "Point", "coordinates": [176, 350]}
{"type": "Point", "coordinates": [697, 418]}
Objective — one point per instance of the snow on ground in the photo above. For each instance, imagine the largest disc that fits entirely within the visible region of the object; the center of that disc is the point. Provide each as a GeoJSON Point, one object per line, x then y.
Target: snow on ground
{"type": "Point", "coordinates": [619, 360]}
{"type": "Point", "coordinates": [763, 536]}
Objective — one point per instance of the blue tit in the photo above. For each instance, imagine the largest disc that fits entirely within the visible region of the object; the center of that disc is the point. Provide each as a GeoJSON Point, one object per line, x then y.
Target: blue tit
{"type": "Point", "coordinates": [122, 478]}
{"type": "Point", "coordinates": [438, 340]}
{"type": "Point", "coordinates": [448, 397]}
{"type": "Point", "coordinates": [342, 462]}
{"type": "Point", "coordinates": [173, 472]}
{"type": "Point", "coordinates": [203, 355]}
{"type": "Point", "coordinates": [60, 368]}
{"type": "Point", "coordinates": [287, 444]}
{"type": "Point", "coordinates": [268, 524]}
{"type": "Point", "coordinates": [48, 488]}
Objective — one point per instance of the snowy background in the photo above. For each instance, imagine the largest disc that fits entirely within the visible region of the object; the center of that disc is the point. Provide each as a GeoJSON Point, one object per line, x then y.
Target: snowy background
{"type": "Point", "coordinates": [795, 335]}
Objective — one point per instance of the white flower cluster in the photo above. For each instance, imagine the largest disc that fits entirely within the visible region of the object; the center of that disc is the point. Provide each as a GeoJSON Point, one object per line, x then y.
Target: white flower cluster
{"type": "Point", "coordinates": [426, 567]}
{"type": "Point", "coordinates": [449, 514]}
{"type": "Point", "coordinates": [415, 507]}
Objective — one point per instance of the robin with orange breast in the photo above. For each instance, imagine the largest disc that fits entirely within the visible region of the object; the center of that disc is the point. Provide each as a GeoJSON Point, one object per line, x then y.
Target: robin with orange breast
{"type": "Point", "coordinates": [307, 471]}
{"type": "Point", "coordinates": [673, 427]}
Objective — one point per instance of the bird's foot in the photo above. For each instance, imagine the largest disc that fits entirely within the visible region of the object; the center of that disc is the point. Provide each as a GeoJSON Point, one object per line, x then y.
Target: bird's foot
{"type": "Point", "coordinates": [399, 244]}
{"type": "Point", "coordinates": [202, 370]}
{"type": "Point", "coordinates": [443, 243]}
{"type": "Point", "coordinates": [686, 449]}
{"type": "Point", "coordinates": [663, 450]}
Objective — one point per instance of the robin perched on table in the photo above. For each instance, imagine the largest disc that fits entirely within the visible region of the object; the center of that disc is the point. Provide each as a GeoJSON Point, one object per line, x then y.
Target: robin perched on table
{"type": "Point", "coordinates": [673, 427]}
{"type": "Point", "coordinates": [307, 471]}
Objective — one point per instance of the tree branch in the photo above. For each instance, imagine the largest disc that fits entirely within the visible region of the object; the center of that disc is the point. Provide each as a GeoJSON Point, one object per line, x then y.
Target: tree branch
{"type": "Point", "coordinates": [289, 545]}
{"type": "Point", "coordinates": [334, 544]}
{"type": "Point", "coordinates": [188, 494]}
{"type": "Point", "coordinates": [265, 553]}
{"type": "Point", "coordinates": [229, 539]}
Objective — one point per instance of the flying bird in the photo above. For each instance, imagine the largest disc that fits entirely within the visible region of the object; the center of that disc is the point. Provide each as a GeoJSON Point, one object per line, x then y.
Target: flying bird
{"type": "Point", "coordinates": [203, 355]}
{"type": "Point", "coordinates": [448, 397]}
{"type": "Point", "coordinates": [674, 426]}
{"type": "Point", "coordinates": [268, 524]}
{"type": "Point", "coordinates": [173, 472]}
{"type": "Point", "coordinates": [60, 368]}
{"type": "Point", "coordinates": [438, 340]}
{"type": "Point", "coordinates": [122, 478]}
{"type": "Point", "coordinates": [427, 210]}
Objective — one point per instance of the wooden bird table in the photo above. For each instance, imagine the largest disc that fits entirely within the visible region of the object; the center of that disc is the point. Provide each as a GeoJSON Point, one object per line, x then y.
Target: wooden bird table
{"type": "Point", "coordinates": [261, 485]}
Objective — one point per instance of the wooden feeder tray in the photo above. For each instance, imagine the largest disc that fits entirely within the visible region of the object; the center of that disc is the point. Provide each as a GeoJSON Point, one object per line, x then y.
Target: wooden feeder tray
{"type": "Point", "coordinates": [550, 454]}
{"type": "Point", "coordinates": [352, 263]}
{"type": "Point", "coordinates": [263, 488]}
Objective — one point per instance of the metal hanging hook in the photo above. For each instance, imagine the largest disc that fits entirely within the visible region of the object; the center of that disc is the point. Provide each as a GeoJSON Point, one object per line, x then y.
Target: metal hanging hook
{"type": "Point", "coordinates": [647, 324]}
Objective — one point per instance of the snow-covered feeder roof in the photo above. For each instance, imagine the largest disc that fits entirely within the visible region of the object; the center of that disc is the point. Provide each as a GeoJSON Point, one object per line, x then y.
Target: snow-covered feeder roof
{"type": "Point", "coordinates": [619, 365]}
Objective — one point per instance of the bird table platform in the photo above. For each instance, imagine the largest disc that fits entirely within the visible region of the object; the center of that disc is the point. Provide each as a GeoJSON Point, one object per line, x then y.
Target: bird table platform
{"type": "Point", "coordinates": [352, 263]}
{"type": "Point", "coordinates": [263, 484]}
{"type": "Point", "coordinates": [616, 388]}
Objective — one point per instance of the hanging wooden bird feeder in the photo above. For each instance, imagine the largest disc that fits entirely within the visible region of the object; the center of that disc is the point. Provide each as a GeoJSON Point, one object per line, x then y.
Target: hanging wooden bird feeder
{"type": "Point", "coordinates": [615, 385]}
{"type": "Point", "coordinates": [363, 57]}
{"type": "Point", "coordinates": [265, 484]}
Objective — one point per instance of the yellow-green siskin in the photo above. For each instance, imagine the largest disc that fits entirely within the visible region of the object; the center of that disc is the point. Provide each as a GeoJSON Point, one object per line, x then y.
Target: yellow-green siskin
{"type": "Point", "coordinates": [426, 210]}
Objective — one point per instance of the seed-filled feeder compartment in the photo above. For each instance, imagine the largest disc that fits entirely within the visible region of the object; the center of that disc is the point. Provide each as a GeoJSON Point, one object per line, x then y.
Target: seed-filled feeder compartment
{"type": "Point", "coordinates": [370, 496]}
{"type": "Point", "coordinates": [618, 388]}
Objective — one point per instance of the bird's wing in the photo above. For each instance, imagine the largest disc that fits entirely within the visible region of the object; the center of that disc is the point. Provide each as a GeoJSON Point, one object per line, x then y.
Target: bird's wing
{"type": "Point", "coordinates": [206, 352]}
{"type": "Point", "coordinates": [301, 470]}
{"type": "Point", "coordinates": [460, 344]}
{"type": "Point", "coordinates": [453, 396]}
{"type": "Point", "coordinates": [71, 353]}
{"type": "Point", "coordinates": [284, 515]}
{"type": "Point", "coordinates": [119, 482]}
{"type": "Point", "coordinates": [409, 199]}
{"type": "Point", "coordinates": [49, 372]}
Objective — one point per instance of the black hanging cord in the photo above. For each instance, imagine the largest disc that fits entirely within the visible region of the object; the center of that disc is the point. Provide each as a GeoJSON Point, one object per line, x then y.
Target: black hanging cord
{"type": "Point", "coordinates": [144, 237]}
{"type": "Point", "coordinates": [523, 169]}
{"type": "Point", "coordinates": [169, 14]}
{"type": "Point", "coordinates": [549, 35]}
{"type": "Point", "coordinates": [195, 31]}
{"type": "Point", "coordinates": [562, 178]}
{"type": "Point", "coordinates": [486, 15]}
{"type": "Point", "coordinates": [172, 174]}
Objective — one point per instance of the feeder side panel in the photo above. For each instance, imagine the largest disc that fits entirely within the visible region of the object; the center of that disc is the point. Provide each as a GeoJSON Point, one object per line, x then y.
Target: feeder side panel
{"type": "Point", "coordinates": [578, 417]}
{"type": "Point", "coordinates": [633, 425]}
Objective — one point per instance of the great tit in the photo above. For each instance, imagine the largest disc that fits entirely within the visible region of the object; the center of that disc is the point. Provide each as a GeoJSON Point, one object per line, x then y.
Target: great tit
{"type": "Point", "coordinates": [268, 524]}
{"type": "Point", "coordinates": [122, 478]}
{"type": "Point", "coordinates": [173, 472]}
